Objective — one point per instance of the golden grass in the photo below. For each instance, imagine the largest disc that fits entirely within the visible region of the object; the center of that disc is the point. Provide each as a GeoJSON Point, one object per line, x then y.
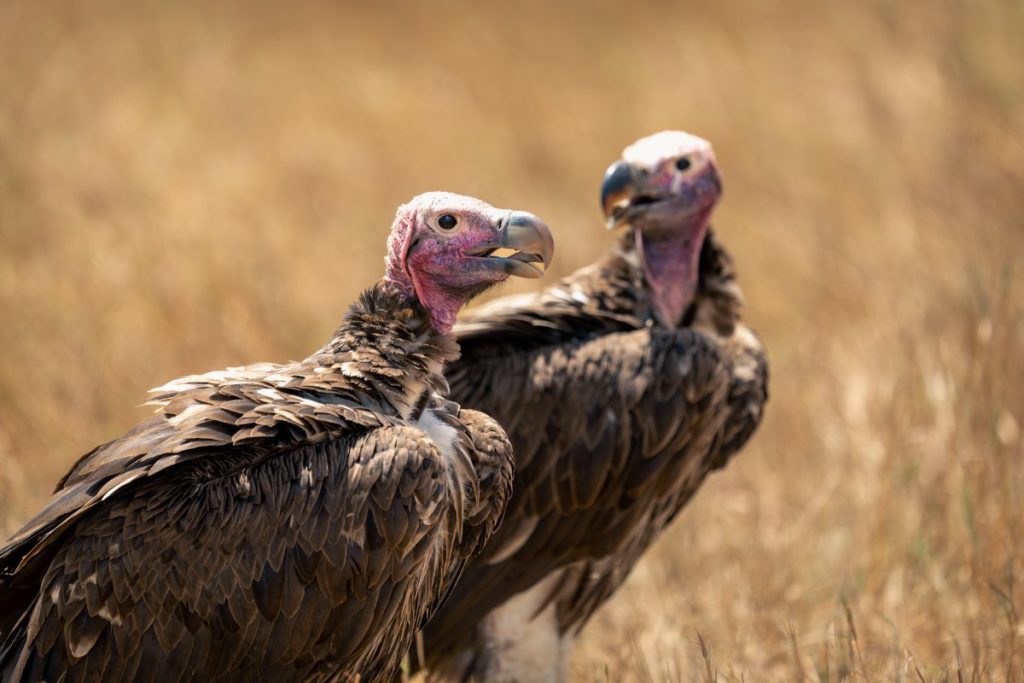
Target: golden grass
{"type": "Point", "coordinates": [186, 186]}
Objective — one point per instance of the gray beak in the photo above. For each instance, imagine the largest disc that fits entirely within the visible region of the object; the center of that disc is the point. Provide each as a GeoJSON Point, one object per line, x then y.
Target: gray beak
{"type": "Point", "coordinates": [528, 238]}
{"type": "Point", "coordinates": [620, 184]}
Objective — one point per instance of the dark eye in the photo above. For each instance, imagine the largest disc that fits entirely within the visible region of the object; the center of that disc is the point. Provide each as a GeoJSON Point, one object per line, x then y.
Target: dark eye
{"type": "Point", "coordinates": [682, 163]}
{"type": "Point", "coordinates": [447, 221]}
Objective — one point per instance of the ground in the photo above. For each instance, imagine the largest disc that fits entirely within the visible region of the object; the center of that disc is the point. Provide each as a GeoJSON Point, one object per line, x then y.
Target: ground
{"type": "Point", "coordinates": [185, 186]}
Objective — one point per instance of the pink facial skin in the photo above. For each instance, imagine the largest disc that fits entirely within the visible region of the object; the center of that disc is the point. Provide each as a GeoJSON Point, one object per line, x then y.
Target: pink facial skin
{"type": "Point", "coordinates": [665, 187]}
{"type": "Point", "coordinates": [440, 251]}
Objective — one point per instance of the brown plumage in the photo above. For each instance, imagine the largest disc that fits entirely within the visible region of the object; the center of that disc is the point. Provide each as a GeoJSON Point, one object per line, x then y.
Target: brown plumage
{"type": "Point", "coordinates": [291, 522]}
{"type": "Point", "coordinates": [615, 419]}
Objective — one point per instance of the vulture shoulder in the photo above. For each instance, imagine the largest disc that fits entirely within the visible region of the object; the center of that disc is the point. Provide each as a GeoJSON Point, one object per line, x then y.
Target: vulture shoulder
{"type": "Point", "coordinates": [608, 434]}
{"type": "Point", "coordinates": [356, 509]}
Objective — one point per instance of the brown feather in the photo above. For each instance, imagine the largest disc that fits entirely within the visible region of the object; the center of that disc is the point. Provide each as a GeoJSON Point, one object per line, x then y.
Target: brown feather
{"type": "Point", "coordinates": [271, 522]}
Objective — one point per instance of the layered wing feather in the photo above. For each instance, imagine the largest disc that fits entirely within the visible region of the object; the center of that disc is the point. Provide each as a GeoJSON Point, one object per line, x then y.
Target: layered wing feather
{"type": "Point", "coordinates": [606, 435]}
{"type": "Point", "coordinates": [226, 566]}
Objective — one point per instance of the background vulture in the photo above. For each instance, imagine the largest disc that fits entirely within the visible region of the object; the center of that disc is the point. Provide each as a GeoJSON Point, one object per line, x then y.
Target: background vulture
{"type": "Point", "coordinates": [620, 387]}
{"type": "Point", "coordinates": [287, 522]}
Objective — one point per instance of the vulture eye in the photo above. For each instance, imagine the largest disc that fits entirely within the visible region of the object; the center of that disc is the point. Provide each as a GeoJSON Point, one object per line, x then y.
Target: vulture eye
{"type": "Point", "coordinates": [682, 163]}
{"type": "Point", "coordinates": [447, 222]}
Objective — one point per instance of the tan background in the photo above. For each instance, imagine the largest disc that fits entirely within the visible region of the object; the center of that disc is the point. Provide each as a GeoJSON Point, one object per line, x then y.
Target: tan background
{"type": "Point", "coordinates": [185, 186]}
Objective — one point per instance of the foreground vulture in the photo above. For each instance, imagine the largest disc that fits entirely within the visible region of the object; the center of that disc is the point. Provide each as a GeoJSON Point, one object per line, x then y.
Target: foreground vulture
{"type": "Point", "coordinates": [621, 388]}
{"type": "Point", "coordinates": [292, 522]}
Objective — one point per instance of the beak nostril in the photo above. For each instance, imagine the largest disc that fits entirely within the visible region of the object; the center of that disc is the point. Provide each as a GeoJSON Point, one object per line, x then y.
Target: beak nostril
{"type": "Point", "coordinates": [504, 220]}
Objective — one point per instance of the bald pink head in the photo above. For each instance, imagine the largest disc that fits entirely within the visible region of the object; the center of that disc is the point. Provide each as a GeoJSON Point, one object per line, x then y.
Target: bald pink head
{"type": "Point", "coordinates": [665, 188]}
{"type": "Point", "coordinates": [441, 251]}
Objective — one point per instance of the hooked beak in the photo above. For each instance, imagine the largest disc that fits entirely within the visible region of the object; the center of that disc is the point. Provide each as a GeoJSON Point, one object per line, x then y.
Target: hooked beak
{"type": "Point", "coordinates": [529, 240]}
{"type": "Point", "coordinates": [621, 184]}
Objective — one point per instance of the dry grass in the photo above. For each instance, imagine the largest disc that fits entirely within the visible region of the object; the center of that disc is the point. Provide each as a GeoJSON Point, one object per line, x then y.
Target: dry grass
{"type": "Point", "coordinates": [184, 187]}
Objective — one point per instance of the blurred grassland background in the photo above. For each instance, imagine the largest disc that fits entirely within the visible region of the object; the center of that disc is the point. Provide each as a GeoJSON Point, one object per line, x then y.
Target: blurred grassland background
{"type": "Point", "coordinates": [186, 186]}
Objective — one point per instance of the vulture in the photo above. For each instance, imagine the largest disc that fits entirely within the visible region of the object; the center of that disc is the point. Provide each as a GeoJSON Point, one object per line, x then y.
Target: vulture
{"type": "Point", "coordinates": [282, 522]}
{"type": "Point", "coordinates": [620, 387]}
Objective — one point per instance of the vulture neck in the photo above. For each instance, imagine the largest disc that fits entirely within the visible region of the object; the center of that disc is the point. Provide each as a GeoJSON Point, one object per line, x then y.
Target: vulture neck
{"type": "Point", "coordinates": [670, 258]}
{"type": "Point", "coordinates": [716, 307]}
{"type": "Point", "coordinates": [386, 347]}
{"type": "Point", "coordinates": [702, 279]}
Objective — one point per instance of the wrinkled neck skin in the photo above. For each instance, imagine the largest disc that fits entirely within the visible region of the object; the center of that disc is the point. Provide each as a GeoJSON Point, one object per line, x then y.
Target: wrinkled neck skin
{"type": "Point", "coordinates": [669, 256]}
{"type": "Point", "coordinates": [398, 282]}
{"type": "Point", "coordinates": [442, 303]}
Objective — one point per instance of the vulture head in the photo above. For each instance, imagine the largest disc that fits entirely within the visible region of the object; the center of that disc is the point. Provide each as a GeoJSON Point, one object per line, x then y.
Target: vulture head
{"type": "Point", "coordinates": [445, 249]}
{"type": "Point", "coordinates": [665, 187]}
